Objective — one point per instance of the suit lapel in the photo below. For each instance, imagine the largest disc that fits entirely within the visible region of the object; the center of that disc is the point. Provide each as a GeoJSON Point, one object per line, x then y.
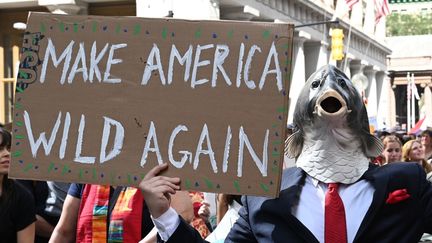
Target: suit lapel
{"type": "Point", "coordinates": [292, 183]}
{"type": "Point", "coordinates": [380, 186]}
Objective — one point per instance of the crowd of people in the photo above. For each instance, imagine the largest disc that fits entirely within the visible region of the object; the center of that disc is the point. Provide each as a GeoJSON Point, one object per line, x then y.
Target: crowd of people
{"type": "Point", "coordinates": [407, 148]}
{"type": "Point", "coordinates": [47, 211]}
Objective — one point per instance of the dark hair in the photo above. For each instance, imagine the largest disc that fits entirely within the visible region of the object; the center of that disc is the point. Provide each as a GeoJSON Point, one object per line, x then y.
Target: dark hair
{"type": "Point", "coordinates": [7, 184]}
{"type": "Point", "coordinates": [6, 138]}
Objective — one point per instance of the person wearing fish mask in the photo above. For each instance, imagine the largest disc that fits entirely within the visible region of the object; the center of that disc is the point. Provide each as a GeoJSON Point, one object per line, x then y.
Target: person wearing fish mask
{"type": "Point", "coordinates": [334, 194]}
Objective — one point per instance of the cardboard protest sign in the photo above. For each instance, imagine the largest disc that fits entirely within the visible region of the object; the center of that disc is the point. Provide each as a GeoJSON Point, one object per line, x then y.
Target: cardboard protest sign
{"type": "Point", "coordinates": [103, 100]}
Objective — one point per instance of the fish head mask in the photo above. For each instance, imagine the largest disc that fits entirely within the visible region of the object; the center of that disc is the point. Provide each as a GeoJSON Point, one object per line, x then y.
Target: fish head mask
{"type": "Point", "coordinates": [329, 99]}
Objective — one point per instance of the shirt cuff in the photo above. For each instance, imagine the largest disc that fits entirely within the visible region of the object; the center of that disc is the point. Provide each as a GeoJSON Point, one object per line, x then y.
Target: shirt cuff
{"type": "Point", "coordinates": [167, 223]}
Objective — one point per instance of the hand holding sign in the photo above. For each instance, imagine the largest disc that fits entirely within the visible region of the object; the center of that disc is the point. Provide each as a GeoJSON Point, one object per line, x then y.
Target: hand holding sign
{"type": "Point", "coordinates": [157, 190]}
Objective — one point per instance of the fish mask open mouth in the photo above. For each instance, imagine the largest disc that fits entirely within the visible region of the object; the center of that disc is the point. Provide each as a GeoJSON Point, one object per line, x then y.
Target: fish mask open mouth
{"type": "Point", "coordinates": [331, 104]}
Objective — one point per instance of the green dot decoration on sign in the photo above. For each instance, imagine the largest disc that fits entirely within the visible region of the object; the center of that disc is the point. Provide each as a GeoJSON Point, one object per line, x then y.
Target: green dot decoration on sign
{"type": "Point", "coordinates": [275, 169]}
{"type": "Point", "coordinates": [198, 33]}
{"type": "Point", "coordinates": [19, 124]}
{"type": "Point", "coordinates": [230, 34]}
{"type": "Point", "coordinates": [65, 169]}
{"type": "Point", "coordinates": [94, 26]}
{"type": "Point", "coordinates": [18, 106]}
{"type": "Point", "coordinates": [17, 136]}
{"type": "Point", "coordinates": [281, 109]}
{"type": "Point", "coordinates": [42, 28]}
{"type": "Point", "coordinates": [61, 27]}
{"type": "Point", "coordinates": [266, 34]}
{"type": "Point", "coordinates": [208, 183]}
{"type": "Point", "coordinates": [164, 33]}
{"type": "Point", "coordinates": [277, 142]}
{"type": "Point", "coordinates": [137, 29]}
{"type": "Point", "coordinates": [50, 167]}
{"type": "Point", "coordinates": [188, 184]}
{"type": "Point", "coordinates": [28, 167]}
{"type": "Point", "coordinates": [275, 154]}
{"type": "Point", "coordinates": [237, 185]}
{"type": "Point", "coordinates": [75, 27]}
{"type": "Point", "coordinates": [17, 154]}
{"type": "Point", "coordinates": [94, 173]}
{"type": "Point", "coordinates": [117, 28]}
{"type": "Point", "coordinates": [264, 187]}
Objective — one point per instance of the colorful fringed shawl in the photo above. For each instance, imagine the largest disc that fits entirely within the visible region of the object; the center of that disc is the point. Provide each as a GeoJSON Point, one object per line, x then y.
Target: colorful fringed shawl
{"type": "Point", "coordinates": [125, 221]}
{"type": "Point", "coordinates": [197, 222]}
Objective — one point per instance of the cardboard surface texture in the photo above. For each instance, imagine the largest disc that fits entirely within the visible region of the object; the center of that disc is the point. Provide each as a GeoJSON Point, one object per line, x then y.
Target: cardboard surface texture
{"type": "Point", "coordinates": [103, 100]}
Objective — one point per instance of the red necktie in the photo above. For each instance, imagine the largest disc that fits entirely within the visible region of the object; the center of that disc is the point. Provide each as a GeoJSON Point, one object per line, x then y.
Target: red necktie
{"type": "Point", "coordinates": [335, 225]}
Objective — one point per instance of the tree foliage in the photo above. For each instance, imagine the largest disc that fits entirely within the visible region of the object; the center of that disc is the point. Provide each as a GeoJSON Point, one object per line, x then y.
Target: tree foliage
{"type": "Point", "coordinates": [409, 24]}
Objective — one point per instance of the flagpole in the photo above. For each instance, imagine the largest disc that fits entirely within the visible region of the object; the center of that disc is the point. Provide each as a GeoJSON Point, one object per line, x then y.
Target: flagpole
{"type": "Point", "coordinates": [347, 46]}
{"type": "Point", "coordinates": [408, 103]}
{"type": "Point", "coordinates": [412, 100]}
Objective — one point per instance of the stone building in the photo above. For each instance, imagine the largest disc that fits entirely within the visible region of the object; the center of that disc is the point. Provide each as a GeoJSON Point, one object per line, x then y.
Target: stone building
{"type": "Point", "coordinates": [365, 50]}
{"type": "Point", "coordinates": [411, 57]}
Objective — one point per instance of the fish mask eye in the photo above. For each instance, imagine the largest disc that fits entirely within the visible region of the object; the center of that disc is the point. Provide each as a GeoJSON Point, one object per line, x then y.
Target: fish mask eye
{"type": "Point", "coordinates": [315, 84]}
{"type": "Point", "coordinates": [342, 83]}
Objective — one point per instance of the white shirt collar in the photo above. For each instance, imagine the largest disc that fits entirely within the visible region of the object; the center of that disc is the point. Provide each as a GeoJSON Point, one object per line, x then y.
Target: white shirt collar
{"type": "Point", "coordinates": [313, 180]}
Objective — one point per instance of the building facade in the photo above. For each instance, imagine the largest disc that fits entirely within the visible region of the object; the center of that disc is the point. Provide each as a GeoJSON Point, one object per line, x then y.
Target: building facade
{"type": "Point", "coordinates": [411, 59]}
{"type": "Point", "coordinates": [365, 50]}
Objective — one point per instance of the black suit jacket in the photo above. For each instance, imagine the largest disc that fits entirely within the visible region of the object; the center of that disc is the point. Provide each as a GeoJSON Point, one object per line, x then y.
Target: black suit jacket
{"type": "Point", "coordinates": [270, 220]}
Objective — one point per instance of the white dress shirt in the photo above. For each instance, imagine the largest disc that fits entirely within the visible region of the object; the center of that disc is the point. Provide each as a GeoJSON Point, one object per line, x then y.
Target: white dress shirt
{"type": "Point", "coordinates": [356, 197]}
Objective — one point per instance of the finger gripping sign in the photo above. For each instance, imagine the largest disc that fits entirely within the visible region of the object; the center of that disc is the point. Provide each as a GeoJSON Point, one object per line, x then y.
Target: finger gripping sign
{"type": "Point", "coordinates": [103, 100]}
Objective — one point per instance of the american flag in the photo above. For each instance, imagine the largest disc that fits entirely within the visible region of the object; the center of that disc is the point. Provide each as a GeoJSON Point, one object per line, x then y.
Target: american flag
{"type": "Point", "coordinates": [350, 3]}
{"type": "Point", "coordinates": [381, 9]}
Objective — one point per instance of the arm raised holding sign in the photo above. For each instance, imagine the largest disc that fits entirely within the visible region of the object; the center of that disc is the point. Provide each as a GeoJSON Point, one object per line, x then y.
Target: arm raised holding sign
{"type": "Point", "coordinates": [171, 228]}
{"type": "Point", "coordinates": [157, 191]}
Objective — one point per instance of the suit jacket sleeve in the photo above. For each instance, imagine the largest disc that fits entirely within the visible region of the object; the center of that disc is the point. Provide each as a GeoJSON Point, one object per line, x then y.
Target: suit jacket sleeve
{"type": "Point", "coordinates": [426, 199]}
{"type": "Point", "coordinates": [241, 231]}
{"type": "Point", "coordinates": [184, 233]}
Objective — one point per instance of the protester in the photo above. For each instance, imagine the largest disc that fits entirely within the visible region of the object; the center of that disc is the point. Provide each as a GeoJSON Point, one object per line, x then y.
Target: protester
{"type": "Point", "coordinates": [17, 210]}
{"type": "Point", "coordinates": [392, 149]}
{"type": "Point", "coordinates": [103, 213]}
{"type": "Point", "coordinates": [333, 147]}
{"type": "Point", "coordinates": [39, 191]}
{"type": "Point", "coordinates": [426, 140]}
